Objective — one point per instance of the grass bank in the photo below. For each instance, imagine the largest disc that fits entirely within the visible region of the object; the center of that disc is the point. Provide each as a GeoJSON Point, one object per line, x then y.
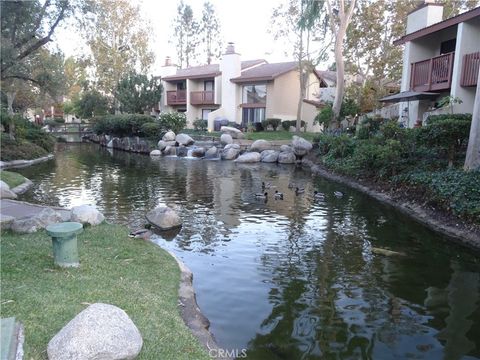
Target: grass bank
{"type": "Point", "coordinates": [12, 179]}
{"type": "Point", "coordinates": [279, 135]}
{"type": "Point", "coordinates": [134, 275]}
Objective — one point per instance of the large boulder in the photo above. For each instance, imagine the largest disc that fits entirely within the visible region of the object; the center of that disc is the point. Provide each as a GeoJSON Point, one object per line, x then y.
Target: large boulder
{"type": "Point", "coordinates": [233, 132]}
{"type": "Point", "coordinates": [260, 145]}
{"type": "Point", "coordinates": [230, 151]}
{"type": "Point", "coordinates": [169, 136]}
{"type": "Point", "coordinates": [226, 139]}
{"type": "Point", "coordinates": [286, 157]}
{"type": "Point", "coordinates": [155, 153]}
{"type": "Point", "coordinates": [86, 214]}
{"type": "Point", "coordinates": [162, 144]}
{"type": "Point", "coordinates": [164, 218]}
{"type": "Point", "coordinates": [170, 151]}
{"type": "Point", "coordinates": [212, 153]}
{"type": "Point", "coordinates": [286, 148]}
{"type": "Point", "coordinates": [198, 152]}
{"type": "Point", "coordinates": [269, 156]}
{"type": "Point", "coordinates": [182, 151]}
{"type": "Point", "coordinates": [301, 146]}
{"type": "Point", "coordinates": [5, 192]}
{"type": "Point", "coordinates": [31, 224]}
{"type": "Point", "coordinates": [184, 139]}
{"type": "Point", "coordinates": [101, 331]}
{"type": "Point", "coordinates": [249, 157]}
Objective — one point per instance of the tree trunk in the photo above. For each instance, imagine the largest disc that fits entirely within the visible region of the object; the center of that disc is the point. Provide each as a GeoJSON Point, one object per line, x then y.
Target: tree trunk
{"type": "Point", "coordinates": [303, 86]}
{"type": "Point", "coordinates": [472, 160]}
{"type": "Point", "coordinates": [340, 89]}
{"type": "Point", "coordinates": [11, 126]}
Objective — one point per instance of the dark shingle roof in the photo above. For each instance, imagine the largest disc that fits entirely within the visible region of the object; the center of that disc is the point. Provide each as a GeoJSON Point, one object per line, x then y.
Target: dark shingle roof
{"type": "Point", "coordinates": [205, 71]}
{"type": "Point", "coordinates": [266, 72]}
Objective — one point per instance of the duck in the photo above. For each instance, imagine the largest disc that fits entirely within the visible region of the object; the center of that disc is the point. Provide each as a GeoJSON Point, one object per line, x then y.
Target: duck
{"type": "Point", "coordinates": [141, 234]}
{"type": "Point", "coordinates": [266, 185]}
{"type": "Point", "coordinates": [338, 194]}
{"type": "Point", "coordinates": [299, 190]}
{"type": "Point", "coordinates": [318, 195]}
{"type": "Point", "coordinates": [278, 195]}
{"type": "Point", "coordinates": [261, 196]}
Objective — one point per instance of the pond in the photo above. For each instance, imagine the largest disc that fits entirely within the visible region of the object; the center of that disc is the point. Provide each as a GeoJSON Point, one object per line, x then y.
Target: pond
{"type": "Point", "coordinates": [293, 278]}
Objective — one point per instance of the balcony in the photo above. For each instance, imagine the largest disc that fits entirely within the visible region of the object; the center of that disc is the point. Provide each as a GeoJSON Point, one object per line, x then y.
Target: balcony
{"type": "Point", "coordinates": [470, 68]}
{"type": "Point", "coordinates": [202, 97]}
{"type": "Point", "coordinates": [432, 74]}
{"type": "Point", "coordinates": [177, 97]}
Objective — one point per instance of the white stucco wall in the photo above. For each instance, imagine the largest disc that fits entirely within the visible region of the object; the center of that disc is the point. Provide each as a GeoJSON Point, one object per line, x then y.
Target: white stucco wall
{"type": "Point", "coordinates": [230, 67]}
{"type": "Point", "coordinates": [426, 16]}
{"type": "Point", "coordinates": [468, 41]}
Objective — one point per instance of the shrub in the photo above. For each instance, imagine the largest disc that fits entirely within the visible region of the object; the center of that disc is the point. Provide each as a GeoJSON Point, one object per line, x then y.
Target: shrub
{"type": "Point", "coordinates": [273, 122]}
{"type": "Point", "coordinates": [324, 116]}
{"type": "Point", "coordinates": [151, 130]}
{"type": "Point", "coordinates": [454, 189]}
{"type": "Point", "coordinates": [59, 120]}
{"type": "Point", "coordinates": [38, 137]}
{"type": "Point", "coordinates": [19, 149]}
{"type": "Point", "coordinates": [447, 133]}
{"type": "Point", "coordinates": [200, 125]}
{"type": "Point", "coordinates": [287, 123]}
{"type": "Point", "coordinates": [121, 125]}
{"type": "Point", "coordinates": [174, 121]}
{"type": "Point", "coordinates": [258, 126]}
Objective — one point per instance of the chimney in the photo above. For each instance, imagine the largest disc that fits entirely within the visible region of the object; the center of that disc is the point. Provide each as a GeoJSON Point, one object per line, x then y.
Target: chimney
{"type": "Point", "coordinates": [426, 14]}
{"type": "Point", "coordinates": [230, 49]}
{"type": "Point", "coordinates": [168, 61]}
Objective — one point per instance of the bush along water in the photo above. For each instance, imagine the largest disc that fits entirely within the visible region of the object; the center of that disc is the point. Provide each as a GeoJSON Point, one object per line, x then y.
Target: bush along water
{"type": "Point", "coordinates": [427, 160]}
{"type": "Point", "coordinates": [128, 125]}
{"type": "Point", "coordinates": [22, 139]}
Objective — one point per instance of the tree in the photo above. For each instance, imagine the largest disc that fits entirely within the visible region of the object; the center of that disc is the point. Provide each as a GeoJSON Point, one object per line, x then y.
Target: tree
{"type": "Point", "coordinates": [210, 30]}
{"type": "Point", "coordinates": [186, 31]}
{"type": "Point", "coordinates": [137, 93]}
{"type": "Point", "coordinates": [290, 22]}
{"type": "Point", "coordinates": [119, 43]}
{"type": "Point", "coordinates": [91, 104]}
{"type": "Point", "coordinates": [339, 17]}
{"type": "Point", "coordinates": [472, 160]}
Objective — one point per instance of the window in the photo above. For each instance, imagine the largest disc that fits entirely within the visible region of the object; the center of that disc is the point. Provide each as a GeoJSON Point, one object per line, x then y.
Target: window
{"type": "Point", "coordinates": [448, 46]}
{"type": "Point", "coordinates": [253, 115]}
{"type": "Point", "coordinates": [208, 85]}
{"type": "Point", "coordinates": [255, 94]}
{"type": "Point", "coordinates": [205, 113]}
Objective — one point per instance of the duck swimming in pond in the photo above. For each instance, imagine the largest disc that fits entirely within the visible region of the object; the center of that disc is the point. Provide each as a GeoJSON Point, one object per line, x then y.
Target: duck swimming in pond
{"type": "Point", "coordinates": [299, 190]}
{"type": "Point", "coordinates": [261, 196]}
{"type": "Point", "coordinates": [318, 195]}
{"type": "Point", "coordinates": [338, 194]}
{"type": "Point", "coordinates": [278, 195]}
{"type": "Point", "coordinates": [266, 185]}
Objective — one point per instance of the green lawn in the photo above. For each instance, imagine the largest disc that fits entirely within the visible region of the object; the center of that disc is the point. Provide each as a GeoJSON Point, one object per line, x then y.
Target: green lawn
{"type": "Point", "coordinates": [279, 135]}
{"type": "Point", "coordinates": [12, 178]}
{"type": "Point", "coordinates": [132, 274]}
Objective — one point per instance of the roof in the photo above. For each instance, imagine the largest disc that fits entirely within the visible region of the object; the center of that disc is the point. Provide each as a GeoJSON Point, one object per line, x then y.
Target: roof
{"type": "Point", "coordinates": [326, 75]}
{"type": "Point", "coordinates": [439, 26]}
{"type": "Point", "coordinates": [409, 96]}
{"type": "Point", "coordinates": [206, 71]}
{"type": "Point", "coordinates": [265, 72]}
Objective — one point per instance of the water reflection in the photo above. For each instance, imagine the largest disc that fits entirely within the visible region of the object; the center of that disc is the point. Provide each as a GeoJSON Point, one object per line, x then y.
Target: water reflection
{"type": "Point", "coordinates": [291, 279]}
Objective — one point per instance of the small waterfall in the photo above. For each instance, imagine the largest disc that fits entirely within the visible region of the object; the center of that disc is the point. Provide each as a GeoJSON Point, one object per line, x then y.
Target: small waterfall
{"type": "Point", "coordinates": [189, 153]}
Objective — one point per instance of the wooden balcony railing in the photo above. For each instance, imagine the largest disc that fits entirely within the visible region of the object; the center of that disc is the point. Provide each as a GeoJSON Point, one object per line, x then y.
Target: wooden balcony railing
{"type": "Point", "coordinates": [470, 68]}
{"type": "Point", "coordinates": [432, 74]}
{"type": "Point", "coordinates": [202, 97]}
{"type": "Point", "coordinates": [177, 97]}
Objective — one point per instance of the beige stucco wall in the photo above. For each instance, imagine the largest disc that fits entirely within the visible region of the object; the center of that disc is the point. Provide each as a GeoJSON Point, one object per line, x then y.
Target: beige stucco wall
{"type": "Point", "coordinates": [424, 17]}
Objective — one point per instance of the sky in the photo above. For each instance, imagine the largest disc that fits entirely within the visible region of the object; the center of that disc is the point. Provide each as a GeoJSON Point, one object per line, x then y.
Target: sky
{"type": "Point", "coordinates": [244, 22]}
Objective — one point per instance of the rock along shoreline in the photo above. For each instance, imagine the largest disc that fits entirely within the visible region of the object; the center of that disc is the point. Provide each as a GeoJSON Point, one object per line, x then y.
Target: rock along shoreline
{"type": "Point", "coordinates": [24, 163]}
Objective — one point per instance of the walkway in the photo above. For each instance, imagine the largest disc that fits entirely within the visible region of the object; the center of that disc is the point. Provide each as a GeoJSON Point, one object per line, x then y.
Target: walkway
{"type": "Point", "coordinates": [20, 209]}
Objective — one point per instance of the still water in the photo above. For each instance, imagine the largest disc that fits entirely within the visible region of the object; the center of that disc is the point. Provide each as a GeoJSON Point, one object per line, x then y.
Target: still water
{"type": "Point", "coordinates": [293, 278]}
